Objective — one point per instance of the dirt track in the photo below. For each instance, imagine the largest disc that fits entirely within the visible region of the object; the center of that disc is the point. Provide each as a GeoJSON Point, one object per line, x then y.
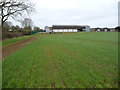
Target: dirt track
{"type": "Point", "coordinates": [10, 49]}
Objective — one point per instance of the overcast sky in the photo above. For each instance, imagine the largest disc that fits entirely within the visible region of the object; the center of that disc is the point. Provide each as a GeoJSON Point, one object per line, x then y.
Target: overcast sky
{"type": "Point", "coordinates": [95, 13]}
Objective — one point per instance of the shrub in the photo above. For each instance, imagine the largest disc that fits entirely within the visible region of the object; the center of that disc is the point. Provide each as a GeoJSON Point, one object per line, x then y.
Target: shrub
{"type": "Point", "coordinates": [8, 35]}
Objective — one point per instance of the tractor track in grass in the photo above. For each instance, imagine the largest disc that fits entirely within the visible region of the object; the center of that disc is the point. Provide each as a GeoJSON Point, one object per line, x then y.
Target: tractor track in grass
{"type": "Point", "coordinates": [10, 49]}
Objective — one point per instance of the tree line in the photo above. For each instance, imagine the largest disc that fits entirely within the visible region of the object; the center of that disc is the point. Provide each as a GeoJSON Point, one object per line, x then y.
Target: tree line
{"type": "Point", "coordinates": [17, 10]}
{"type": "Point", "coordinates": [10, 31]}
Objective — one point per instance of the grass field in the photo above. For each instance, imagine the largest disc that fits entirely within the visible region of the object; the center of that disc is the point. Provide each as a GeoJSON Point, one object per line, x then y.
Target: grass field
{"type": "Point", "coordinates": [72, 60]}
{"type": "Point", "coordinates": [15, 40]}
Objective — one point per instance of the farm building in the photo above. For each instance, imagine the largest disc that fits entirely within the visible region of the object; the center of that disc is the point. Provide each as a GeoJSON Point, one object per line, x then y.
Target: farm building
{"type": "Point", "coordinates": [98, 29]}
{"type": "Point", "coordinates": [106, 30]}
{"type": "Point", "coordinates": [117, 29]}
{"type": "Point", "coordinates": [102, 30]}
{"type": "Point", "coordinates": [70, 28]}
{"type": "Point", "coordinates": [112, 29]}
{"type": "Point", "coordinates": [47, 29]}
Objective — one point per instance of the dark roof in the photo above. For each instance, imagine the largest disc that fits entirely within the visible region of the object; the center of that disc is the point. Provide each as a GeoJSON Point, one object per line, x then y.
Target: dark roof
{"type": "Point", "coordinates": [102, 28]}
{"type": "Point", "coordinates": [118, 27]}
{"type": "Point", "coordinates": [67, 26]}
{"type": "Point", "coordinates": [97, 28]}
{"type": "Point", "coordinates": [106, 28]}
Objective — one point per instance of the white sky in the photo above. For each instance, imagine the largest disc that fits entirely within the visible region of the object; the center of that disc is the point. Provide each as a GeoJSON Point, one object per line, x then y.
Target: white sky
{"type": "Point", "coordinates": [95, 13]}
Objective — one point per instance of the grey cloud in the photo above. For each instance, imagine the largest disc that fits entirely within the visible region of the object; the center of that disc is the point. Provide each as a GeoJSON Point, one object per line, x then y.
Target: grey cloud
{"type": "Point", "coordinates": [85, 12]}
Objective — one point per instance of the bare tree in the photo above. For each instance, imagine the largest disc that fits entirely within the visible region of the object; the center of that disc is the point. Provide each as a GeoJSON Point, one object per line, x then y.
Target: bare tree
{"type": "Point", "coordinates": [6, 26]}
{"type": "Point", "coordinates": [9, 23]}
{"type": "Point", "coordinates": [27, 22]}
{"type": "Point", "coordinates": [14, 9]}
{"type": "Point", "coordinates": [36, 28]}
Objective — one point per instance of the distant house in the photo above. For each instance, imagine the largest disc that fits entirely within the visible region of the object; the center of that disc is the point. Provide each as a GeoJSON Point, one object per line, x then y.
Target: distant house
{"type": "Point", "coordinates": [70, 28]}
{"type": "Point", "coordinates": [47, 29]}
{"type": "Point", "coordinates": [117, 29]}
{"type": "Point", "coordinates": [112, 29]}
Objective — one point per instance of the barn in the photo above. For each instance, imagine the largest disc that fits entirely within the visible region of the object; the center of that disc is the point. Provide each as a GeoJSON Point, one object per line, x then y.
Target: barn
{"type": "Point", "coordinates": [70, 28]}
{"type": "Point", "coordinates": [48, 29]}
{"type": "Point", "coordinates": [106, 30]}
{"type": "Point", "coordinates": [98, 29]}
{"type": "Point", "coordinates": [102, 30]}
{"type": "Point", "coordinates": [117, 29]}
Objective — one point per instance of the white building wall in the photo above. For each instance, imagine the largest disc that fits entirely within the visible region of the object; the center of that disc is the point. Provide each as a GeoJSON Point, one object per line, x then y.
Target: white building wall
{"type": "Point", "coordinates": [70, 30]}
{"type": "Point", "coordinates": [105, 30]}
{"type": "Point", "coordinates": [64, 30]}
{"type": "Point", "coordinates": [55, 30]}
{"type": "Point", "coordinates": [48, 30]}
{"type": "Point", "coordinates": [75, 30]}
{"type": "Point", "coordinates": [60, 30]}
{"type": "Point", "coordinates": [98, 30]}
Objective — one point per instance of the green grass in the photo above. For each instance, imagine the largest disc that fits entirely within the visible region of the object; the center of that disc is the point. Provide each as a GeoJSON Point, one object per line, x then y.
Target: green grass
{"type": "Point", "coordinates": [15, 40]}
{"type": "Point", "coordinates": [73, 60]}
